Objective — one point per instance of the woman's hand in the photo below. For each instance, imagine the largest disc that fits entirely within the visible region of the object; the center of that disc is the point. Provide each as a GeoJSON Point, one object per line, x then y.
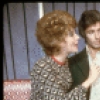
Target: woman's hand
{"type": "Point", "coordinates": [93, 75]}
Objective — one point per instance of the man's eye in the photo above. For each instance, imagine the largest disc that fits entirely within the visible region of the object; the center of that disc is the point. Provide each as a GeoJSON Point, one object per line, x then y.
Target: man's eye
{"type": "Point", "coordinates": [91, 32]}
{"type": "Point", "coordinates": [99, 30]}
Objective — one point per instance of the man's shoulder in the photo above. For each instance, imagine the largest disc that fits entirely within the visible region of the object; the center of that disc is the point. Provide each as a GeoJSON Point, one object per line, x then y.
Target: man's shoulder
{"type": "Point", "coordinates": [78, 56]}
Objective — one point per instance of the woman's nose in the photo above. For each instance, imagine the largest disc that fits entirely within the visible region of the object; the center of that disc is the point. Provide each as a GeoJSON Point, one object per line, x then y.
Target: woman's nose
{"type": "Point", "coordinates": [77, 36]}
{"type": "Point", "coordinates": [97, 35]}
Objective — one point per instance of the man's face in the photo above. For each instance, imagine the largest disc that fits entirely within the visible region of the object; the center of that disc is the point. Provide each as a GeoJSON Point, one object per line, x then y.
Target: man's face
{"type": "Point", "coordinates": [93, 36]}
{"type": "Point", "coordinates": [71, 42]}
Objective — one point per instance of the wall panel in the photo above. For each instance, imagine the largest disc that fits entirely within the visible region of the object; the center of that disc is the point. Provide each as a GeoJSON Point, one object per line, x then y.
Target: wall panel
{"type": "Point", "coordinates": [8, 52]}
{"type": "Point", "coordinates": [18, 40]}
{"type": "Point", "coordinates": [31, 17]}
{"type": "Point", "coordinates": [47, 7]}
{"type": "Point", "coordinates": [60, 6]}
{"type": "Point", "coordinates": [91, 6]}
{"type": "Point", "coordinates": [98, 6]}
{"type": "Point", "coordinates": [5, 76]}
{"type": "Point", "coordinates": [70, 8]}
{"type": "Point", "coordinates": [79, 8]}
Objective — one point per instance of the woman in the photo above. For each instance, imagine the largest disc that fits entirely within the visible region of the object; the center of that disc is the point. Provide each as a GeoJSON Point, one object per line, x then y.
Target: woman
{"type": "Point", "coordinates": [50, 76]}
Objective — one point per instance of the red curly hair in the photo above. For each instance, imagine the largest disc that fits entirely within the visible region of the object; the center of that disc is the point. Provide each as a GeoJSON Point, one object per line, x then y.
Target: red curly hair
{"type": "Point", "coordinates": [51, 29]}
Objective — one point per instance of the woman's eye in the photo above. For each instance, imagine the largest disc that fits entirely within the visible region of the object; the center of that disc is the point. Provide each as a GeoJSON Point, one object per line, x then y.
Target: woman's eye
{"type": "Point", "coordinates": [70, 34]}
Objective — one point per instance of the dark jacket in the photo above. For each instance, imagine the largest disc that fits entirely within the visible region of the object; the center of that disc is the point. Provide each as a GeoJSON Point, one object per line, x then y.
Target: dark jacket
{"type": "Point", "coordinates": [79, 67]}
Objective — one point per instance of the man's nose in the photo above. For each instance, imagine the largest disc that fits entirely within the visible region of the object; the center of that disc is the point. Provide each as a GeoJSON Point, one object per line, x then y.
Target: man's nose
{"type": "Point", "coordinates": [97, 35]}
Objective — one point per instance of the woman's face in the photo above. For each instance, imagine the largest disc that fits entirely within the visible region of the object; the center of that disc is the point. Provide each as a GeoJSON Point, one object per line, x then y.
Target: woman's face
{"type": "Point", "coordinates": [71, 42]}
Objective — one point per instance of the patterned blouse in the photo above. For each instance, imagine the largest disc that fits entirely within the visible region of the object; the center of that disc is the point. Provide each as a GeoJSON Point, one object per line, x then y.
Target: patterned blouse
{"type": "Point", "coordinates": [51, 81]}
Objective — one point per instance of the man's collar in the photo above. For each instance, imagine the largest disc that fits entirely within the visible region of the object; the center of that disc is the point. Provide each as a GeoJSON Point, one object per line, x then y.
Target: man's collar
{"type": "Point", "coordinates": [88, 51]}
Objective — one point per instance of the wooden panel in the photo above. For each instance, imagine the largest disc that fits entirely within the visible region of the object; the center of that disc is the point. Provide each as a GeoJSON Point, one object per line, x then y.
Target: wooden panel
{"type": "Point", "coordinates": [34, 49]}
{"type": "Point", "coordinates": [47, 7]}
{"type": "Point", "coordinates": [7, 44]}
{"type": "Point", "coordinates": [18, 40]}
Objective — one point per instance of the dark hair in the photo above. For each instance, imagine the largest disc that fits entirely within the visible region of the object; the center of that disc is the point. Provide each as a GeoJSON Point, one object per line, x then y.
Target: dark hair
{"type": "Point", "coordinates": [51, 29]}
{"type": "Point", "coordinates": [88, 18]}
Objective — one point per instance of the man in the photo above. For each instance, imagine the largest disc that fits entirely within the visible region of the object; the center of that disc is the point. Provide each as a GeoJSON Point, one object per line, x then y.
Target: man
{"type": "Point", "coordinates": [89, 29]}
